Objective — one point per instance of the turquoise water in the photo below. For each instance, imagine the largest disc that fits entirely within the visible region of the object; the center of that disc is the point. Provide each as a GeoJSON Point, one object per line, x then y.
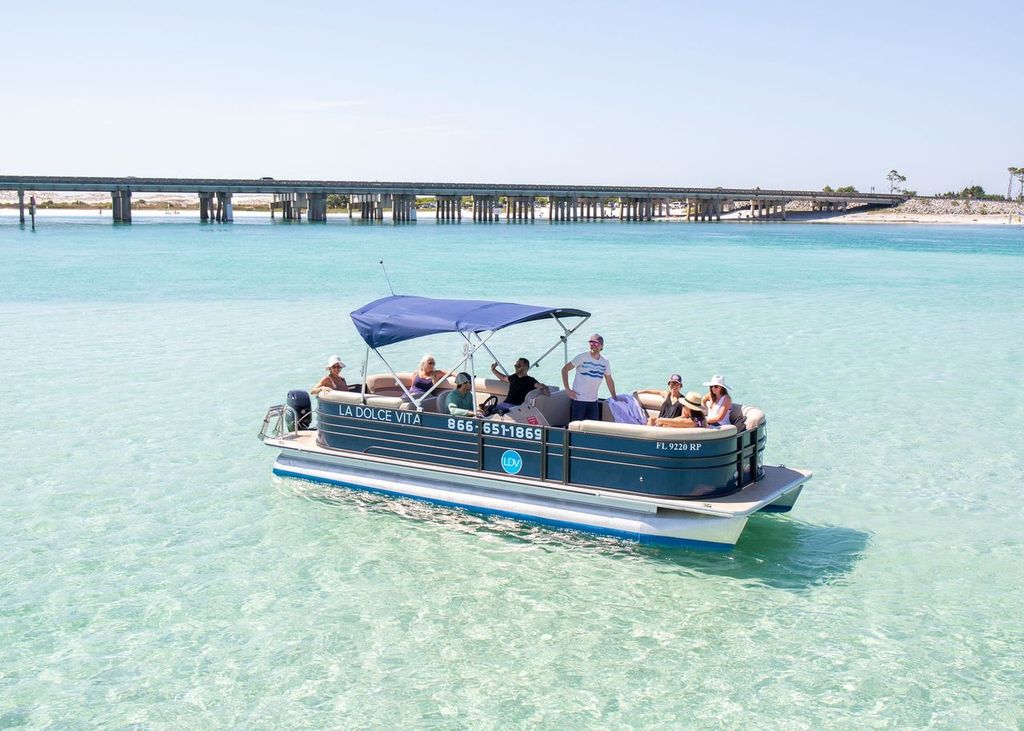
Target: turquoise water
{"type": "Point", "coordinates": [155, 575]}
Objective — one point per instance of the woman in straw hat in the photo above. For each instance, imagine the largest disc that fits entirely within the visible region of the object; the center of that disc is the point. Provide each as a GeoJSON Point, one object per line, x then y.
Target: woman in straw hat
{"type": "Point", "coordinates": [333, 380]}
{"type": "Point", "coordinates": [717, 402]}
{"type": "Point", "coordinates": [692, 414]}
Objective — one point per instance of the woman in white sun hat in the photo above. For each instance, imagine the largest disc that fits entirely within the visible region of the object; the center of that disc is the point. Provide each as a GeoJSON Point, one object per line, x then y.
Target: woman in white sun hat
{"type": "Point", "coordinates": [333, 380]}
{"type": "Point", "coordinates": [717, 402]}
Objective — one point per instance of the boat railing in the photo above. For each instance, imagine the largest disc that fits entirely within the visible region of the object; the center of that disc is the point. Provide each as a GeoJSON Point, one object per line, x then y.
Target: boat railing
{"type": "Point", "coordinates": [282, 419]}
{"type": "Point", "coordinates": [568, 446]}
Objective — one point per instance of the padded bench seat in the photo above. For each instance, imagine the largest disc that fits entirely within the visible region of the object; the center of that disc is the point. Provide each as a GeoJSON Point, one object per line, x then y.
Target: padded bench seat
{"type": "Point", "coordinates": [659, 433]}
{"type": "Point", "coordinates": [354, 397]}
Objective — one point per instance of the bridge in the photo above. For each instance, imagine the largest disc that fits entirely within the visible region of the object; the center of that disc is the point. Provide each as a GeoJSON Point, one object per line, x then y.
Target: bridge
{"type": "Point", "coordinates": [489, 201]}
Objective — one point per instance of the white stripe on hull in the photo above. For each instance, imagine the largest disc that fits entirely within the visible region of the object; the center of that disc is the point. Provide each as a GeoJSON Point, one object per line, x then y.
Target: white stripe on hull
{"type": "Point", "coordinates": [662, 526]}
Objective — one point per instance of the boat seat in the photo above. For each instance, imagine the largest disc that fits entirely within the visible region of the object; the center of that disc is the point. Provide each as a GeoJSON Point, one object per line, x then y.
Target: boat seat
{"type": "Point", "coordinates": [384, 384]}
{"type": "Point", "coordinates": [651, 402]}
{"type": "Point", "coordinates": [753, 417]}
{"type": "Point", "coordinates": [525, 414]}
{"type": "Point", "coordinates": [742, 417]}
{"type": "Point", "coordinates": [430, 404]}
{"type": "Point", "coordinates": [389, 402]}
{"type": "Point", "coordinates": [341, 397]}
{"type": "Point", "coordinates": [354, 397]}
{"type": "Point", "coordinates": [441, 403]}
{"type": "Point", "coordinates": [491, 387]}
{"type": "Point", "coordinates": [659, 433]}
{"type": "Point", "coordinates": [554, 407]}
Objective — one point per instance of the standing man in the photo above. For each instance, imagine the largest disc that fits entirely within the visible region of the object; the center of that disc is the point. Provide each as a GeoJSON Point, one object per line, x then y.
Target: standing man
{"type": "Point", "coordinates": [590, 369]}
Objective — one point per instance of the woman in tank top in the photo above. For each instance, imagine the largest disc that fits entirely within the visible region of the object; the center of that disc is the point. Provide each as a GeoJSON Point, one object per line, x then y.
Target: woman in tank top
{"type": "Point", "coordinates": [672, 406]}
{"type": "Point", "coordinates": [425, 376]}
{"type": "Point", "coordinates": [691, 414]}
{"type": "Point", "coordinates": [333, 380]}
{"type": "Point", "coordinates": [717, 402]}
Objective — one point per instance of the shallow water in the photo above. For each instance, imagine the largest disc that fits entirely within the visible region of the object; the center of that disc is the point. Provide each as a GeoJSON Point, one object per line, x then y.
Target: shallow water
{"type": "Point", "coordinates": [155, 574]}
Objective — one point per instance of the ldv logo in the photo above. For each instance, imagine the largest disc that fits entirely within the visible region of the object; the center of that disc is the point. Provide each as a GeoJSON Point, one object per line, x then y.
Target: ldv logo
{"type": "Point", "coordinates": [511, 462]}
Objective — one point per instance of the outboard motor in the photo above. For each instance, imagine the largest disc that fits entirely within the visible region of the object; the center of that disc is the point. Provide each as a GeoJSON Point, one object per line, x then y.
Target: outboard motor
{"type": "Point", "coordinates": [299, 400]}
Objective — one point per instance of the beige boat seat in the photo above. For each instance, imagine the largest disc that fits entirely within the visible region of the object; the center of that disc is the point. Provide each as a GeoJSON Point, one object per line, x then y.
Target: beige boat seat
{"type": "Point", "coordinates": [389, 402]}
{"type": "Point", "coordinates": [554, 407]}
{"type": "Point", "coordinates": [354, 397]}
{"type": "Point", "coordinates": [651, 403]}
{"type": "Point", "coordinates": [744, 417]}
{"type": "Point", "coordinates": [491, 387]}
{"type": "Point", "coordinates": [341, 397]}
{"type": "Point", "coordinates": [753, 417]}
{"type": "Point", "coordinates": [430, 404]}
{"type": "Point", "coordinates": [525, 414]}
{"type": "Point", "coordinates": [659, 433]}
{"type": "Point", "coordinates": [384, 384]}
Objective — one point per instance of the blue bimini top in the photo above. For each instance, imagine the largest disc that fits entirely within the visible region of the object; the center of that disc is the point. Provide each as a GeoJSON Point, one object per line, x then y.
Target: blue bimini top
{"type": "Point", "coordinates": [399, 317]}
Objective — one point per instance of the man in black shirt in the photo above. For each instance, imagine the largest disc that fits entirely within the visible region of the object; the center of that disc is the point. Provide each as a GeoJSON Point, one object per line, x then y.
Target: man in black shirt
{"type": "Point", "coordinates": [519, 384]}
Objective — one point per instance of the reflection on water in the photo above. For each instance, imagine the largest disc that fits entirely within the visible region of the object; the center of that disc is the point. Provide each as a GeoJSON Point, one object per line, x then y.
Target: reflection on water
{"type": "Point", "coordinates": [774, 550]}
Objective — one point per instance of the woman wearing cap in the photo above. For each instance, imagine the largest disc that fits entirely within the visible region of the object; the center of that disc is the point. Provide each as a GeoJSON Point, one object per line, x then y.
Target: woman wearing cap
{"type": "Point", "coordinates": [333, 380]}
{"type": "Point", "coordinates": [692, 413]}
{"type": "Point", "coordinates": [425, 376]}
{"type": "Point", "coordinates": [672, 406]}
{"type": "Point", "coordinates": [717, 402]}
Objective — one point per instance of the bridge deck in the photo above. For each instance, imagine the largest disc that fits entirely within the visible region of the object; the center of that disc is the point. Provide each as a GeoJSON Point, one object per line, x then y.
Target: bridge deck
{"type": "Point", "coordinates": [362, 187]}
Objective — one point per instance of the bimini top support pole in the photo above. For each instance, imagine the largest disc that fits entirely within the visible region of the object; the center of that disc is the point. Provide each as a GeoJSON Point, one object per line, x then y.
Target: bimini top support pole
{"type": "Point", "coordinates": [564, 339]}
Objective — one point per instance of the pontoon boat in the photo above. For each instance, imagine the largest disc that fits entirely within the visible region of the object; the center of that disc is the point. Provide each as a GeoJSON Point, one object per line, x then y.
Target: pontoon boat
{"type": "Point", "coordinates": [657, 485]}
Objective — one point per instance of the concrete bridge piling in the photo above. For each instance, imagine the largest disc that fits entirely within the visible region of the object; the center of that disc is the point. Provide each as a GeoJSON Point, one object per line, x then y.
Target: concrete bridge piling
{"type": "Point", "coordinates": [520, 208]}
{"type": "Point", "coordinates": [291, 206]}
{"type": "Point", "coordinates": [635, 209]}
{"type": "Point", "coordinates": [403, 208]}
{"type": "Point", "coordinates": [829, 206]}
{"type": "Point", "coordinates": [486, 208]}
{"type": "Point", "coordinates": [449, 208]}
{"type": "Point", "coordinates": [121, 201]}
{"type": "Point", "coordinates": [767, 210]}
{"type": "Point", "coordinates": [317, 211]}
{"type": "Point", "coordinates": [370, 207]}
{"type": "Point", "coordinates": [225, 212]}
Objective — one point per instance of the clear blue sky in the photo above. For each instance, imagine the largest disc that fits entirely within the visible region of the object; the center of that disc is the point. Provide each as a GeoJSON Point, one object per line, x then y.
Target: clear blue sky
{"type": "Point", "coordinates": [792, 95]}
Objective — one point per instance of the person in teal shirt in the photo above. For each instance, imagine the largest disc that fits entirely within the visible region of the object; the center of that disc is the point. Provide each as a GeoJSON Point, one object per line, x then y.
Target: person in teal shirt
{"type": "Point", "coordinates": [460, 401]}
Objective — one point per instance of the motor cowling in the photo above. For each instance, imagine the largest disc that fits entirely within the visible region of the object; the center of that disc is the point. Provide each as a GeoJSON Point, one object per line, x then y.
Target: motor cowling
{"type": "Point", "coordinates": [300, 402]}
